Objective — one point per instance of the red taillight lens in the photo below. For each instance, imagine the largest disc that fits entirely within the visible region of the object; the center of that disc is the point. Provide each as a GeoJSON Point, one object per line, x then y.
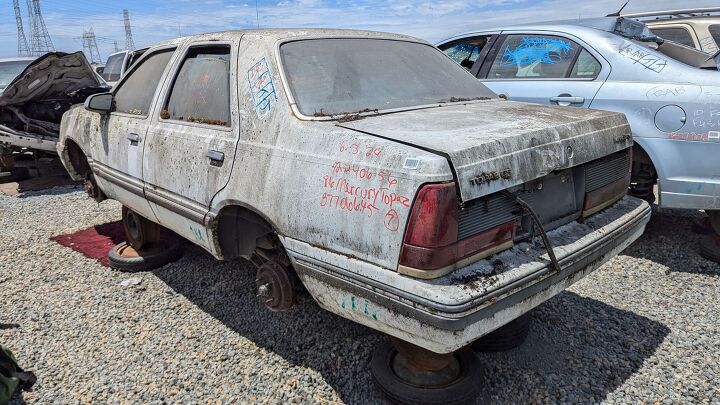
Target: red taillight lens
{"type": "Point", "coordinates": [433, 219]}
{"type": "Point", "coordinates": [431, 247]}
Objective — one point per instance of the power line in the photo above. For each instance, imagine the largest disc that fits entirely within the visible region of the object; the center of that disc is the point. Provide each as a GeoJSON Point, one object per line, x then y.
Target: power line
{"type": "Point", "coordinates": [23, 49]}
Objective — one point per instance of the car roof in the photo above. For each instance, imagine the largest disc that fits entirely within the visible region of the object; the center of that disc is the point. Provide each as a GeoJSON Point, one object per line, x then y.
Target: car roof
{"type": "Point", "coordinates": [275, 34]}
{"type": "Point", "coordinates": [573, 25]}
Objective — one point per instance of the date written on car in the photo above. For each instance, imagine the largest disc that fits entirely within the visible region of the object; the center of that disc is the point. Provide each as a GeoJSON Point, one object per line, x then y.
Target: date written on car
{"type": "Point", "coordinates": [487, 177]}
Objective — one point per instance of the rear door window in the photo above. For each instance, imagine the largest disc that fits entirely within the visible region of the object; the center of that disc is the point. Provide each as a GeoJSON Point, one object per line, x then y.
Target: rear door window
{"type": "Point", "coordinates": [135, 94]}
{"type": "Point", "coordinates": [201, 90]}
{"type": "Point", "coordinates": [533, 57]}
{"type": "Point", "coordinates": [586, 66]}
{"type": "Point", "coordinates": [679, 35]}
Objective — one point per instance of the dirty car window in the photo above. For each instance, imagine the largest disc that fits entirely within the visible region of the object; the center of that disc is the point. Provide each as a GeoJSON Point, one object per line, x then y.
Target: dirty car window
{"type": "Point", "coordinates": [113, 67]}
{"type": "Point", "coordinates": [337, 76]}
{"type": "Point", "coordinates": [201, 91]}
{"type": "Point", "coordinates": [136, 92]}
{"type": "Point", "coordinates": [10, 70]}
{"type": "Point", "coordinates": [533, 57]}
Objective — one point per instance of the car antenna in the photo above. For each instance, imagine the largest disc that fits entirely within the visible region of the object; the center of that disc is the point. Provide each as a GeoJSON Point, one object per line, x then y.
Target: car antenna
{"type": "Point", "coordinates": [617, 14]}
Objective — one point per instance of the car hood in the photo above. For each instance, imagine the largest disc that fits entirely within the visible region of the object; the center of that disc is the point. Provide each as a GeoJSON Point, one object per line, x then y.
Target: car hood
{"type": "Point", "coordinates": [53, 74]}
{"type": "Point", "coordinates": [496, 144]}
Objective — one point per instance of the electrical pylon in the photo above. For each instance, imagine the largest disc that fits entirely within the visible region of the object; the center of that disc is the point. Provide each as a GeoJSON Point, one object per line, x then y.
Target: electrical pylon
{"type": "Point", "coordinates": [23, 49]}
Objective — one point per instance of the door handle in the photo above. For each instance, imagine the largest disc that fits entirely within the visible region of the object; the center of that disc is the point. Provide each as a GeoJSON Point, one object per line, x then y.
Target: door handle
{"type": "Point", "coordinates": [216, 158]}
{"type": "Point", "coordinates": [133, 138]}
{"type": "Point", "coordinates": [565, 100]}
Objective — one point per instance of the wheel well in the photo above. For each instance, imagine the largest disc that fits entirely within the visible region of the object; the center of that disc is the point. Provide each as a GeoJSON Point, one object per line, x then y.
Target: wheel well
{"type": "Point", "coordinates": [77, 158]}
{"type": "Point", "coordinates": [243, 233]}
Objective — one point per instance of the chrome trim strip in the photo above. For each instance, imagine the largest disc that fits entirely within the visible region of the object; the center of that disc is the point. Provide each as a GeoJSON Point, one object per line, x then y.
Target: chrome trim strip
{"type": "Point", "coordinates": [120, 179]}
{"type": "Point", "coordinates": [176, 203]}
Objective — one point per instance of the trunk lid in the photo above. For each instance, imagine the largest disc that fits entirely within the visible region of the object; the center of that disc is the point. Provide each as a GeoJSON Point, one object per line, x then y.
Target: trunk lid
{"type": "Point", "coordinates": [493, 145]}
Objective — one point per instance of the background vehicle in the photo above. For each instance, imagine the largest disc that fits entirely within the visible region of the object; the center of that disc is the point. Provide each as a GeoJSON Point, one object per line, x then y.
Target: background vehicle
{"type": "Point", "coordinates": [35, 98]}
{"type": "Point", "coordinates": [697, 28]}
{"type": "Point", "coordinates": [118, 63]}
{"type": "Point", "coordinates": [10, 68]}
{"type": "Point", "coordinates": [672, 106]}
{"type": "Point", "coordinates": [397, 188]}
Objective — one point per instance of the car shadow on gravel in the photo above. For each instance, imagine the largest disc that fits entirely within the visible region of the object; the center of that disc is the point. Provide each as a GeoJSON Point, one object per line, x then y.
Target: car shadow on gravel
{"type": "Point", "coordinates": [579, 349]}
{"type": "Point", "coordinates": [669, 241]}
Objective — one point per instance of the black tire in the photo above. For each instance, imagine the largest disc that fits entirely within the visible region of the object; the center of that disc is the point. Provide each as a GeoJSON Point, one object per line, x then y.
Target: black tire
{"type": "Point", "coordinates": [505, 338]}
{"type": "Point", "coordinates": [16, 174]}
{"type": "Point", "coordinates": [463, 390]}
{"type": "Point", "coordinates": [139, 231]}
{"type": "Point", "coordinates": [701, 226]}
{"type": "Point", "coordinates": [710, 247]}
{"type": "Point", "coordinates": [148, 259]}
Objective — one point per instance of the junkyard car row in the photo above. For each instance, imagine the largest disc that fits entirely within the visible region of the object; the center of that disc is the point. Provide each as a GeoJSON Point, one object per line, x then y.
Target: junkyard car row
{"type": "Point", "coordinates": [388, 181]}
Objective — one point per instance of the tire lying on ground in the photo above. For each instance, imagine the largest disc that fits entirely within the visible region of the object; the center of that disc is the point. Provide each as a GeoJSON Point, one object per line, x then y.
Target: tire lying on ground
{"type": "Point", "coordinates": [123, 257]}
{"type": "Point", "coordinates": [506, 337]}
{"type": "Point", "coordinates": [462, 390]}
{"type": "Point", "coordinates": [16, 174]}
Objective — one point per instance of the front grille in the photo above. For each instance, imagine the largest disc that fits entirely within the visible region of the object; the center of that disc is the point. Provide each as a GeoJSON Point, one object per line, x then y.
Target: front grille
{"type": "Point", "coordinates": [602, 172]}
{"type": "Point", "coordinates": [485, 213]}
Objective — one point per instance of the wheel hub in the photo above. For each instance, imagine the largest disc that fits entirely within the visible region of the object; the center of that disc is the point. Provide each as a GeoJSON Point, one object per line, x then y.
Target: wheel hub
{"type": "Point", "coordinates": [275, 287]}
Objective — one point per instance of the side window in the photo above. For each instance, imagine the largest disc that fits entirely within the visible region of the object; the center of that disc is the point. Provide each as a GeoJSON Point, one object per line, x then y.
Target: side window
{"type": "Point", "coordinates": [675, 34]}
{"type": "Point", "coordinates": [586, 66]}
{"type": "Point", "coordinates": [715, 32]}
{"type": "Point", "coordinates": [113, 66]}
{"type": "Point", "coordinates": [201, 89]}
{"type": "Point", "coordinates": [465, 51]}
{"type": "Point", "coordinates": [533, 57]}
{"type": "Point", "coordinates": [135, 94]}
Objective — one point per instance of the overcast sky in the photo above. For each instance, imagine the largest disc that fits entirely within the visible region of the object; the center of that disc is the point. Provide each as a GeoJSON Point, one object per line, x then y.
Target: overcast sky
{"type": "Point", "coordinates": [156, 20]}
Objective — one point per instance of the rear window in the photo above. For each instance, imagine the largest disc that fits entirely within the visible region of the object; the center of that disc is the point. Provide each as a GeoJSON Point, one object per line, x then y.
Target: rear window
{"type": "Point", "coordinates": [339, 76]}
{"type": "Point", "coordinates": [113, 68]}
{"type": "Point", "coordinates": [677, 34]}
{"type": "Point", "coordinates": [533, 57]}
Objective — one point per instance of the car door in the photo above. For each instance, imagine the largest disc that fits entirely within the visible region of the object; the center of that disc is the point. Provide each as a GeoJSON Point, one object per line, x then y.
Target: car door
{"type": "Point", "coordinates": [118, 160]}
{"type": "Point", "coordinates": [191, 142]}
{"type": "Point", "coordinates": [546, 69]}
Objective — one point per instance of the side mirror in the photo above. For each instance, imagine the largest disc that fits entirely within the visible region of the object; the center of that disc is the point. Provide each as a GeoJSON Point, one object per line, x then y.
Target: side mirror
{"type": "Point", "coordinates": [101, 103]}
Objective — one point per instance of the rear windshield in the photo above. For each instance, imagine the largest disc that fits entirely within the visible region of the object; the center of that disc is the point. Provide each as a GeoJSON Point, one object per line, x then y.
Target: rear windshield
{"type": "Point", "coordinates": [10, 70]}
{"type": "Point", "coordinates": [113, 67]}
{"type": "Point", "coordinates": [340, 76]}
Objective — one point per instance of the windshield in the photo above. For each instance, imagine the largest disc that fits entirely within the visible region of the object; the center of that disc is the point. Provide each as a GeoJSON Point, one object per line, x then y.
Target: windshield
{"type": "Point", "coordinates": [342, 76]}
{"type": "Point", "coordinates": [113, 67]}
{"type": "Point", "coordinates": [10, 70]}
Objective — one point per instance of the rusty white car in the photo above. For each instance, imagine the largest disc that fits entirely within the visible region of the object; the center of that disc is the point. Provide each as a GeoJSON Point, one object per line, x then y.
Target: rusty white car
{"type": "Point", "coordinates": [400, 191]}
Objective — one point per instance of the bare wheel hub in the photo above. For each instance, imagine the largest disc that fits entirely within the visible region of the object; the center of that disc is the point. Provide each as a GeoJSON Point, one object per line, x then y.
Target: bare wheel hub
{"type": "Point", "coordinates": [423, 368]}
{"type": "Point", "coordinates": [275, 287]}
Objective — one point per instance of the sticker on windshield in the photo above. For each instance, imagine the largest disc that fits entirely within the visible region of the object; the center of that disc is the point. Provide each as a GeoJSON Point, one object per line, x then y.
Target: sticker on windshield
{"type": "Point", "coordinates": [262, 88]}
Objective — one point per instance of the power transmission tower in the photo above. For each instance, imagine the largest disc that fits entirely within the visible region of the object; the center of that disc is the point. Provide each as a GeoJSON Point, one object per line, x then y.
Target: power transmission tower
{"type": "Point", "coordinates": [23, 49]}
{"type": "Point", "coordinates": [90, 46]}
{"type": "Point", "coordinates": [40, 42]}
{"type": "Point", "coordinates": [129, 43]}
{"type": "Point", "coordinates": [115, 45]}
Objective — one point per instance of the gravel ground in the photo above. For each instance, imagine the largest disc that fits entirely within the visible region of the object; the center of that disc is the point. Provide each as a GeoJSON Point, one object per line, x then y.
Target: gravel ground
{"type": "Point", "coordinates": [643, 328]}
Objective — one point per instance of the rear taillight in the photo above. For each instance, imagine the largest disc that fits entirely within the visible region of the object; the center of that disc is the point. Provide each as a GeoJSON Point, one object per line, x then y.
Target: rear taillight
{"type": "Point", "coordinates": [431, 247]}
{"type": "Point", "coordinates": [607, 195]}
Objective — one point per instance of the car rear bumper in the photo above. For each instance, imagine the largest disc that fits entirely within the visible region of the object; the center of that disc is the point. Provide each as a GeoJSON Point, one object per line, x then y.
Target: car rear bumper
{"type": "Point", "coordinates": [448, 313]}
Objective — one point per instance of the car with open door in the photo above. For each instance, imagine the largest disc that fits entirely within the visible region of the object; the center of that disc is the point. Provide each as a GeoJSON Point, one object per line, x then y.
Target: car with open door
{"type": "Point", "coordinates": [370, 169]}
{"type": "Point", "coordinates": [669, 93]}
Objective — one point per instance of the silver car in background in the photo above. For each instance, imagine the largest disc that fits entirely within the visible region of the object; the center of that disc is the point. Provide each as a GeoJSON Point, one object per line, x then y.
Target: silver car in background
{"type": "Point", "coordinates": [616, 64]}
